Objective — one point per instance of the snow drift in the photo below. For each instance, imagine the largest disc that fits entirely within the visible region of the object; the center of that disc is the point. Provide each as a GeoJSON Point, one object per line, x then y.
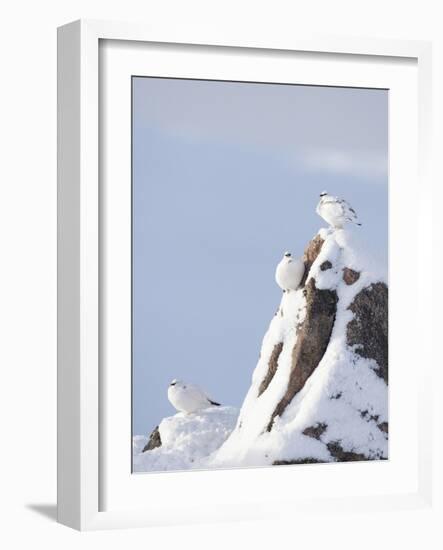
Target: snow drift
{"type": "Point", "coordinates": [181, 441]}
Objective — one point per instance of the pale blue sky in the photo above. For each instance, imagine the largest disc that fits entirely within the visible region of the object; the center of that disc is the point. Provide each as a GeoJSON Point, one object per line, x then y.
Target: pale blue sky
{"type": "Point", "coordinates": [226, 178]}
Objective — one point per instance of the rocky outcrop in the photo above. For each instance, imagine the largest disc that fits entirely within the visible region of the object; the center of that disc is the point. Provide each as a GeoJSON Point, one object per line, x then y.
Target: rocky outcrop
{"type": "Point", "coordinates": [310, 255]}
{"type": "Point", "coordinates": [326, 265]}
{"type": "Point", "coordinates": [340, 455]}
{"type": "Point", "coordinates": [384, 427]}
{"type": "Point", "coordinates": [367, 333]}
{"type": "Point", "coordinates": [315, 431]}
{"type": "Point", "coordinates": [296, 461]}
{"type": "Point", "coordinates": [319, 391]}
{"type": "Point", "coordinates": [154, 440]}
{"type": "Point", "coordinates": [350, 276]}
{"type": "Point", "coordinates": [312, 340]}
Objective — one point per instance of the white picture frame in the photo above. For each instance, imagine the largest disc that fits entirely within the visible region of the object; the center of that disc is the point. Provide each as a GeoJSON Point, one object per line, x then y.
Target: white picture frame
{"type": "Point", "coordinates": [82, 396]}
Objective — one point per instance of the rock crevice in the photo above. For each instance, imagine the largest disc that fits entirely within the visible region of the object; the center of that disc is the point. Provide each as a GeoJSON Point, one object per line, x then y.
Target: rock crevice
{"type": "Point", "coordinates": [154, 440]}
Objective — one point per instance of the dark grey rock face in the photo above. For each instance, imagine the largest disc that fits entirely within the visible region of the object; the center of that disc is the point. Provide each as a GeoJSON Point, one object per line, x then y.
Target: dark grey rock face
{"type": "Point", "coordinates": [315, 431]}
{"type": "Point", "coordinates": [341, 455]}
{"type": "Point", "coordinates": [383, 427]}
{"type": "Point", "coordinates": [154, 440]}
{"type": "Point", "coordinates": [272, 367]}
{"type": "Point", "coordinates": [367, 332]}
{"type": "Point", "coordinates": [312, 341]}
{"type": "Point", "coordinates": [309, 256]}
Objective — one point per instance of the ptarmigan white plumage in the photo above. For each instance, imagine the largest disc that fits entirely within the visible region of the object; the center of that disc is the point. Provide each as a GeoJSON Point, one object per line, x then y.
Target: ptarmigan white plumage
{"type": "Point", "coordinates": [289, 272]}
{"type": "Point", "coordinates": [337, 212]}
{"type": "Point", "coordinates": [188, 398]}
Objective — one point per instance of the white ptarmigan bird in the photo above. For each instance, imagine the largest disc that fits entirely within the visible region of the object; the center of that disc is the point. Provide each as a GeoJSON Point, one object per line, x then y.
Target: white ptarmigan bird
{"type": "Point", "coordinates": [289, 272]}
{"type": "Point", "coordinates": [337, 212]}
{"type": "Point", "coordinates": [188, 398]}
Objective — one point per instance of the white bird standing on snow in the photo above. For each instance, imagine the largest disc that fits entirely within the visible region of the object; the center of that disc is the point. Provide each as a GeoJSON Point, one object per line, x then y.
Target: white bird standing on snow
{"type": "Point", "coordinates": [289, 272]}
{"type": "Point", "coordinates": [335, 211]}
{"type": "Point", "coordinates": [188, 398]}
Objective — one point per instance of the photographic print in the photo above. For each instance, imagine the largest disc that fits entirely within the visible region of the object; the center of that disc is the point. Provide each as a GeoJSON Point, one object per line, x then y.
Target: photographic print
{"type": "Point", "coordinates": [259, 274]}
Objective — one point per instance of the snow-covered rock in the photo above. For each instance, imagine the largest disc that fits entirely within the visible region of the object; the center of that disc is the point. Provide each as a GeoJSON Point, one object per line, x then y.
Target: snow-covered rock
{"type": "Point", "coordinates": [183, 440]}
{"type": "Point", "coordinates": [319, 392]}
